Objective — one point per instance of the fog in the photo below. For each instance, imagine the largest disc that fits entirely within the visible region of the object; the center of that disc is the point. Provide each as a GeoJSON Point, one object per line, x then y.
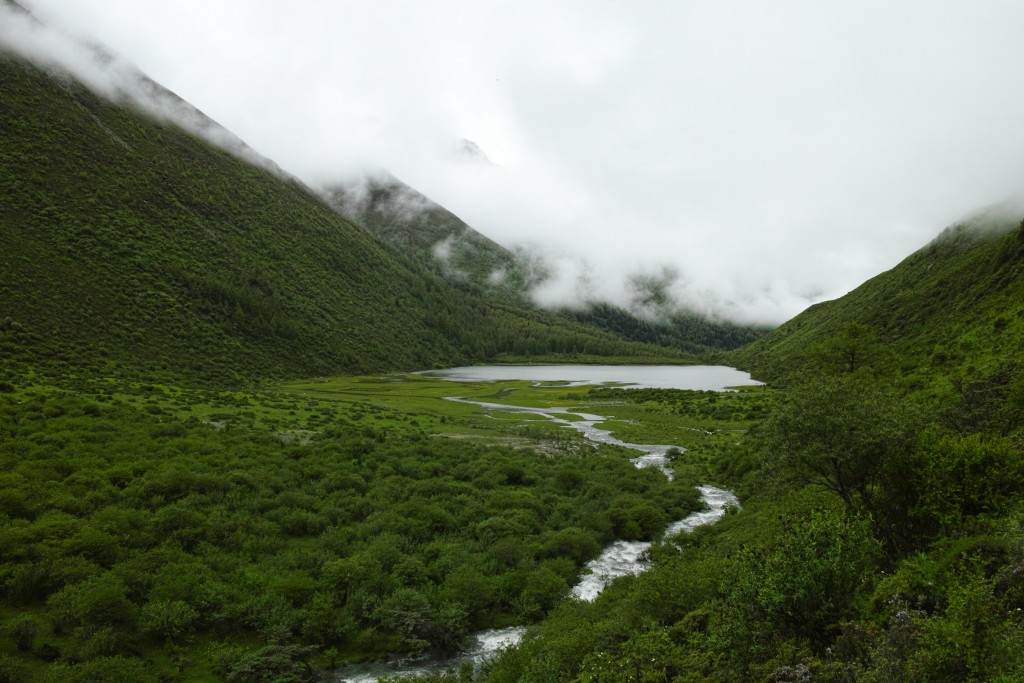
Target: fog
{"type": "Point", "coordinates": [749, 158]}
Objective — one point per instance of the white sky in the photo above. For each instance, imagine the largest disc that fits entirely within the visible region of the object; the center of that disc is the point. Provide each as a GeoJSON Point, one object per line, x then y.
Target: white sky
{"type": "Point", "coordinates": [772, 154]}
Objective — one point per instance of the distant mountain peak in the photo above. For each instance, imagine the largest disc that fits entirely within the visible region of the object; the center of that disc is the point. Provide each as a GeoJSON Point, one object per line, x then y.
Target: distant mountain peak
{"type": "Point", "coordinates": [468, 151]}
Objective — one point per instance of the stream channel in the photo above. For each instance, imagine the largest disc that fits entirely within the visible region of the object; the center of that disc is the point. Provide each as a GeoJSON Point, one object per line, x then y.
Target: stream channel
{"type": "Point", "coordinates": [618, 559]}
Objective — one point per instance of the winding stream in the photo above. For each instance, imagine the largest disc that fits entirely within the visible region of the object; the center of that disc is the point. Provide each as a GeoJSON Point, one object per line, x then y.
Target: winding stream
{"type": "Point", "coordinates": [618, 559]}
{"type": "Point", "coordinates": [486, 644]}
{"type": "Point", "coordinates": [653, 455]}
{"type": "Point", "coordinates": [628, 557]}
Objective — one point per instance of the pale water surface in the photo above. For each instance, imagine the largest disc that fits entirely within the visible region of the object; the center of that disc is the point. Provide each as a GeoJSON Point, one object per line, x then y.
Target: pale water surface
{"type": "Point", "coordinates": [693, 377]}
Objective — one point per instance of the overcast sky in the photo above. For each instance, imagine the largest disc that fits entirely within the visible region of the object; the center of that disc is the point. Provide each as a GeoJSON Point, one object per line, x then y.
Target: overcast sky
{"type": "Point", "coordinates": [766, 154]}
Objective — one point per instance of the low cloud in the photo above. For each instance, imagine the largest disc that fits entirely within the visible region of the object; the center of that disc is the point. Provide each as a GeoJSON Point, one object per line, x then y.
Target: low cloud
{"type": "Point", "coordinates": [113, 77]}
{"type": "Point", "coordinates": [771, 156]}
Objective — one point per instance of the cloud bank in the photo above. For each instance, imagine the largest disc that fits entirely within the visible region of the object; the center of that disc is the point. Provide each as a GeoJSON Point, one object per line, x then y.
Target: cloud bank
{"type": "Point", "coordinates": [767, 156]}
{"type": "Point", "coordinates": [113, 77]}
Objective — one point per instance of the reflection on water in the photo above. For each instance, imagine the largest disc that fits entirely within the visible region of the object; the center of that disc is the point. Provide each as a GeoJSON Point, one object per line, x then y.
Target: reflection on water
{"type": "Point", "coordinates": [692, 377]}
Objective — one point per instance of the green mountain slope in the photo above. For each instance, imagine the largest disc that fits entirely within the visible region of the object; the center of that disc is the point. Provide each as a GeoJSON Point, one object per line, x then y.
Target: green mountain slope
{"type": "Point", "coordinates": [682, 330]}
{"type": "Point", "coordinates": [956, 306]}
{"type": "Point", "coordinates": [438, 240]}
{"type": "Point", "coordinates": [429, 233]}
{"type": "Point", "coordinates": [130, 245]}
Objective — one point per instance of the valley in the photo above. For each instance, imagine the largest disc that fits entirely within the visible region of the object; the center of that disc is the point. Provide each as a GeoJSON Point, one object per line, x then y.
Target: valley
{"type": "Point", "coordinates": [260, 433]}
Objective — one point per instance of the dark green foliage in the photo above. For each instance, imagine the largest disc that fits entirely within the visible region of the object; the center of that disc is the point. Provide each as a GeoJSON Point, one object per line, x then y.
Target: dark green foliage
{"type": "Point", "coordinates": [364, 541]}
{"type": "Point", "coordinates": [992, 402]}
{"type": "Point", "coordinates": [688, 331]}
{"type": "Point", "coordinates": [270, 664]}
{"type": "Point", "coordinates": [966, 476]}
{"type": "Point", "coordinates": [947, 618]}
{"type": "Point", "coordinates": [802, 584]}
{"type": "Point", "coordinates": [23, 631]}
{"type": "Point", "coordinates": [713, 406]}
{"type": "Point", "coordinates": [842, 433]}
{"type": "Point", "coordinates": [115, 669]}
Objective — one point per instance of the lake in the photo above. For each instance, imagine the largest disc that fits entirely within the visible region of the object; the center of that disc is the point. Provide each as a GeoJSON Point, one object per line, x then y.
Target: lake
{"type": "Point", "coordinates": [693, 377]}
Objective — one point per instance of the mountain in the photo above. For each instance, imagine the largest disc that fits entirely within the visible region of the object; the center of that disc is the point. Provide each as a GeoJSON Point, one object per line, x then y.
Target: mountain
{"type": "Point", "coordinates": [678, 329]}
{"type": "Point", "coordinates": [131, 245]}
{"type": "Point", "coordinates": [438, 240]}
{"type": "Point", "coordinates": [435, 237]}
{"type": "Point", "coordinates": [117, 79]}
{"type": "Point", "coordinates": [954, 307]}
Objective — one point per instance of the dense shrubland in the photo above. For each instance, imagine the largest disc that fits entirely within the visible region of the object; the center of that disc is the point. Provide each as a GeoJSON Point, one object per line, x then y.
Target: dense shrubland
{"type": "Point", "coordinates": [128, 533]}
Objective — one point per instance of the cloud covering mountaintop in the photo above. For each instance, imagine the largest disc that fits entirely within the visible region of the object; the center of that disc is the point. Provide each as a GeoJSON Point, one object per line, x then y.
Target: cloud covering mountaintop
{"type": "Point", "coordinates": [763, 156]}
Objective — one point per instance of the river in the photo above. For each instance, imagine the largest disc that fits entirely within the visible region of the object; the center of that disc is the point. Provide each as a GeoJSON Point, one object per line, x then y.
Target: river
{"type": "Point", "coordinates": [618, 559]}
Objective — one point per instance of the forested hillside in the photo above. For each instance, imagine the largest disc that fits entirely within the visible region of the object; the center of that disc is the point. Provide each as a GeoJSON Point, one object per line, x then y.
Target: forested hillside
{"type": "Point", "coordinates": [688, 331]}
{"type": "Point", "coordinates": [130, 246]}
{"type": "Point", "coordinates": [957, 305]}
{"type": "Point", "coordinates": [430, 234]}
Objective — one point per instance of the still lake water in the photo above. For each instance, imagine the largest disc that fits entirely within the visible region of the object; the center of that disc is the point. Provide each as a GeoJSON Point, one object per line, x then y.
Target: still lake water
{"type": "Point", "coordinates": [693, 377]}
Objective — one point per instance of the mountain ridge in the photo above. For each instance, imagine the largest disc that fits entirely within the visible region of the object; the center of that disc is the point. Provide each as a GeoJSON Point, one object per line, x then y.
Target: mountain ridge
{"type": "Point", "coordinates": [419, 227]}
{"type": "Point", "coordinates": [921, 317]}
{"type": "Point", "coordinates": [439, 240]}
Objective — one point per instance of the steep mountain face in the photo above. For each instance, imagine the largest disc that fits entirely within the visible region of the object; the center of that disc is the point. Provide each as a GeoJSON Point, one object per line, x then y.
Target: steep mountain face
{"type": "Point", "coordinates": [119, 80]}
{"type": "Point", "coordinates": [133, 241]}
{"type": "Point", "coordinates": [954, 307]}
{"type": "Point", "coordinates": [429, 234]}
{"type": "Point", "coordinates": [130, 245]}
